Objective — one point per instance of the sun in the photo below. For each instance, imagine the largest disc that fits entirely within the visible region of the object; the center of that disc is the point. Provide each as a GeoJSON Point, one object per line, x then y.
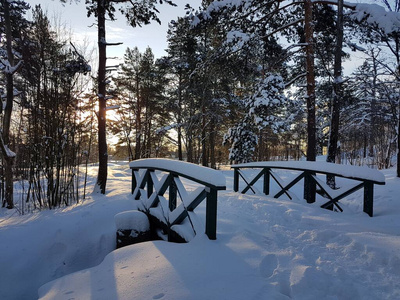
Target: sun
{"type": "Point", "coordinates": [112, 112]}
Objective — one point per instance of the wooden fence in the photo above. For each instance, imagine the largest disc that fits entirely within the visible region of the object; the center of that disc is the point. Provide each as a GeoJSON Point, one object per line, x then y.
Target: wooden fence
{"type": "Point", "coordinates": [364, 177]}
{"type": "Point", "coordinates": [157, 184]}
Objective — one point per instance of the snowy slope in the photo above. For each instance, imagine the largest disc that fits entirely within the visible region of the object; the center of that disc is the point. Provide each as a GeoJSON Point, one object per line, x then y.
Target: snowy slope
{"type": "Point", "coordinates": [265, 249]}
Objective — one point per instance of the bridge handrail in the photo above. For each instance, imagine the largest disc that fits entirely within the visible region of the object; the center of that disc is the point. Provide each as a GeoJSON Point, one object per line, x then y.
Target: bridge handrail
{"type": "Point", "coordinates": [345, 171]}
{"type": "Point", "coordinates": [211, 180]}
{"type": "Point", "coordinates": [203, 175]}
{"type": "Point", "coordinates": [368, 177]}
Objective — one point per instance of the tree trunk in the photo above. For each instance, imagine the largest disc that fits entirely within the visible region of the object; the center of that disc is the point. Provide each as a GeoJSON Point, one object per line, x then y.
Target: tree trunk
{"type": "Point", "coordinates": [103, 155]}
{"type": "Point", "coordinates": [337, 95]}
{"type": "Point", "coordinates": [213, 162]}
{"type": "Point", "coordinates": [204, 160]}
{"type": "Point", "coordinates": [309, 185]}
{"type": "Point", "coordinates": [398, 144]}
{"type": "Point", "coordinates": [373, 117]}
{"type": "Point", "coordinates": [311, 124]}
{"type": "Point", "coordinates": [138, 121]}
{"type": "Point", "coordinates": [179, 119]}
{"type": "Point", "coordinates": [189, 133]}
{"type": "Point", "coordinates": [9, 157]}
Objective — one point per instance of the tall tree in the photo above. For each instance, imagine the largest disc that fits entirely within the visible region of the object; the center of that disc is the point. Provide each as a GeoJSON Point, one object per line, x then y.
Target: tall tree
{"type": "Point", "coordinates": [50, 105]}
{"type": "Point", "coordinates": [337, 93]}
{"type": "Point", "coordinates": [9, 10]}
{"type": "Point", "coordinates": [273, 17]}
{"type": "Point", "coordinates": [382, 27]}
{"type": "Point", "coordinates": [137, 13]}
{"type": "Point", "coordinates": [182, 58]}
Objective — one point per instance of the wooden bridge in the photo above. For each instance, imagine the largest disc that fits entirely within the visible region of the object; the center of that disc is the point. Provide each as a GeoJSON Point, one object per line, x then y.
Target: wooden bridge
{"type": "Point", "coordinates": [364, 177]}
{"type": "Point", "coordinates": [163, 196]}
{"type": "Point", "coordinates": [160, 177]}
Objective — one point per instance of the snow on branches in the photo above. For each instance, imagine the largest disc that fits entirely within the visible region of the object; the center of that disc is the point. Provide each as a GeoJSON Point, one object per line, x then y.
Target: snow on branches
{"type": "Point", "coordinates": [264, 103]}
{"type": "Point", "coordinates": [264, 107]}
{"type": "Point", "coordinates": [243, 141]}
{"type": "Point", "coordinates": [374, 14]}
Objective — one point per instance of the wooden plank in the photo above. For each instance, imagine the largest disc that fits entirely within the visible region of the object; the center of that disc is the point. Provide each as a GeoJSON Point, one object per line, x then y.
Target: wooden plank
{"type": "Point", "coordinates": [134, 182]}
{"type": "Point", "coordinates": [150, 185]}
{"type": "Point", "coordinates": [211, 214]}
{"type": "Point", "coordinates": [236, 180]}
{"type": "Point", "coordinates": [368, 198]}
{"type": "Point", "coordinates": [342, 195]}
{"type": "Point", "coordinates": [344, 171]}
{"type": "Point", "coordinates": [166, 211]}
{"type": "Point", "coordinates": [266, 181]}
{"type": "Point", "coordinates": [327, 191]}
{"type": "Point", "coordinates": [246, 181]}
{"type": "Point", "coordinates": [203, 175]}
{"type": "Point", "coordinates": [181, 212]}
{"type": "Point", "coordinates": [287, 187]}
{"type": "Point", "coordinates": [367, 177]}
{"type": "Point", "coordinates": [255, 179]}
{"type": "Point", "coordinates": [172, 192]}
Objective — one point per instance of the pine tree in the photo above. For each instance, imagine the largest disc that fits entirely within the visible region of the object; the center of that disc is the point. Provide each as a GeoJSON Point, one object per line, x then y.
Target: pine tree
{"type": "Point", "coordinates": [12, 14]}
{"type": "Point", "coordinates": [141, 83]}
{"type": "Point", "coordinates": [137, 14]}
{"type": "Point", "coordinates": [264, 108]}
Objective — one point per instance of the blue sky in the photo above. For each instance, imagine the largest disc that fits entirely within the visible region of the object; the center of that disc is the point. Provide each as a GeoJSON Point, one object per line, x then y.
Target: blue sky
{"type": "Point", "coordinates": [73, 16]}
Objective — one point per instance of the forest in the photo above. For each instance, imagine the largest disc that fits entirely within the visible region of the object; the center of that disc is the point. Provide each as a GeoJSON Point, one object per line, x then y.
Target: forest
{"type": "Point", "coordinates": [243, 80]}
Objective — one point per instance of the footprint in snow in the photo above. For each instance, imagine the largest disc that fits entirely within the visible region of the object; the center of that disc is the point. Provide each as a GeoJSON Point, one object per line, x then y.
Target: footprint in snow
{"type": "Point", "coordinates": [159, 296]}
{"type": "Point", "coordinates": [268, 265]}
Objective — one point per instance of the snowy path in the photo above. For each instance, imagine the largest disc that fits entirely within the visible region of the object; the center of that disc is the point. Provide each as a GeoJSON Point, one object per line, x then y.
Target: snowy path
{"type": "Point", "coordinates": [265, 249]}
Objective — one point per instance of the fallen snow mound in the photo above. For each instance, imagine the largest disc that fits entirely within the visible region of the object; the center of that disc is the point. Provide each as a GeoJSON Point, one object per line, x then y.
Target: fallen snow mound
{"type": "Point", "coordinates": [265, 249]}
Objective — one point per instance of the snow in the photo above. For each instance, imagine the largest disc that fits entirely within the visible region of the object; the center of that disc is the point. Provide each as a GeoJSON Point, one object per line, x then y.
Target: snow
{"type": "Point", "coordinates": [9, 153]}
{"type": "Point", "coordinates": [265, 249]}
{"type": "Point", "coordinates": [132, 219]}
{"type": "Point", "coordinates": [375, 14]}
{"type": "Point", "coordinates": [8, 69]}
{"type": "Point", "coordinates": [112, 106]}
{"type": "Point", "coordinates": [207, 175]}
{"type": "Point", "coordinates": [320, 166]}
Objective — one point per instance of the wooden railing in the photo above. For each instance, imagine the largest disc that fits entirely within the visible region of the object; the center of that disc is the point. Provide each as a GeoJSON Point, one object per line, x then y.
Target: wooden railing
{"type": "Point", "coordinates": [160, 177]}
{"type": "Point", "coordinates": [365, 178]}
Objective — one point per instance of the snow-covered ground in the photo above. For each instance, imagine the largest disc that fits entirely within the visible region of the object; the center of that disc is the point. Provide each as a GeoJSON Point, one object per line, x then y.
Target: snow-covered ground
{"type": "Point", "coordinates": [265, 249]}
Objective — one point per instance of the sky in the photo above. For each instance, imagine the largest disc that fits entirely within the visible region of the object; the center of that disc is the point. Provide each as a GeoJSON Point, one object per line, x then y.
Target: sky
{"type": "Point", "coordinates": [74, 17]}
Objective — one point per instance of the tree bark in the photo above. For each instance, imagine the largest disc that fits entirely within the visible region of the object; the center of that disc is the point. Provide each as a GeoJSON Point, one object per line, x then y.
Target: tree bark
{"type": "Point", "coordinates": [337, 95]}
{"type": "Point", "coordinates": [213, 162]}
{"type": "Point", "coordinates": [309, 185]}
{"type": "Point", "coordinates": [311, 128]}
{"type": "Point", "coordinates": [204, 160]}
{"type": "Point", "coordinates": [103, 155]}
{"type": "Point", "coordinates": [179, 119]}
{"type": "Point", "coordinates": [9, 157]}
{"type": "Point", "coordinates": [398, 144]}
{"type": "Point", "coordinates": [138, 121]}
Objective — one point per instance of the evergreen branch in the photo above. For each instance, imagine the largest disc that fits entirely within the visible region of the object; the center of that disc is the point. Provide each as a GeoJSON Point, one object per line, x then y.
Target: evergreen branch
{"type": "Point", "coordinates": [295, 79]}
{"type": "Point", "coordinates": [283, 27]}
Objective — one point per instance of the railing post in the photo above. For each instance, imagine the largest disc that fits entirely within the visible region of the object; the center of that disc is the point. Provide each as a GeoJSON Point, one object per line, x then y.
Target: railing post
{"type": "Point", "coordinates": [369, 198]}
{"type": "Point", "coordinates": [235, 179]}
{"type": "Point", "coordinates": [309, 188]}
{"type": "Point", "coordinates": [266, 181]}
{"type": "Point", "coordinates": [211, 213]}
{"type": "Point", "coordinates": [170, 180]}
{"type": "Point", "coordinates": [172, 192]}
{"type": "Point", "coordinates": [150, 184]}
{"type": "Point", "coordinates": [134, 182]}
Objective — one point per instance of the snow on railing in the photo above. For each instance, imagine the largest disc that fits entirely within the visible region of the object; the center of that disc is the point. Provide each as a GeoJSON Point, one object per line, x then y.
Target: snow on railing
{"type": "Point", "coordinates": [365, 177]}
{"type": "Point", "coordinates": [176, 217]}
